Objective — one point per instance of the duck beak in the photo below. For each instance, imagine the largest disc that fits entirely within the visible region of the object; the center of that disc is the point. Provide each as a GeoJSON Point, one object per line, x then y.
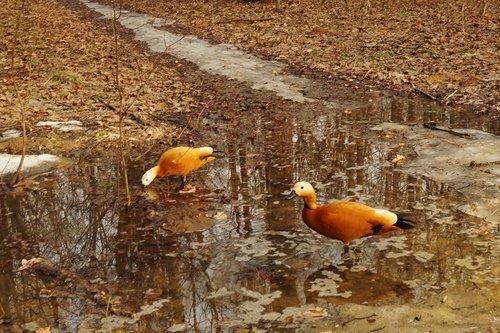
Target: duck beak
{"type": "Point", "coordinates": [291, 195]}
{"type": "Point", "coordinates": [218, 153]}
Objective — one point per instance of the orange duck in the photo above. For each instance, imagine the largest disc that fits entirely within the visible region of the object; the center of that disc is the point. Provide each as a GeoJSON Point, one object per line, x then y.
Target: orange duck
{"type": "Point", "coordinates": [345, 220]}
{"type": "Point", "coordinates": [179, 161]}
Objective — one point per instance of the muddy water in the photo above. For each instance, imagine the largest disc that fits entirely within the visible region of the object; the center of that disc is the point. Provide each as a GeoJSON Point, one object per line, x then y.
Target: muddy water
{"type": "Point", "coordinates": [234, 254]}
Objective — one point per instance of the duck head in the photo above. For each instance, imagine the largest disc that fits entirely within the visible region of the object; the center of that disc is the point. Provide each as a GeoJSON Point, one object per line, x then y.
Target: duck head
{"type": "Point", "coordinates": [149, 175]}
{"type": "Point", "coordinates": [301, 189]}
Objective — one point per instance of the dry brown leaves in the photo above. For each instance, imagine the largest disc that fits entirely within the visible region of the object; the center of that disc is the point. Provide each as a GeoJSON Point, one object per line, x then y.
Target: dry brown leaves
{"type": "Point", "coordinates": [63, 68]}
{"type": "Point", "coordinates": [447, 48]}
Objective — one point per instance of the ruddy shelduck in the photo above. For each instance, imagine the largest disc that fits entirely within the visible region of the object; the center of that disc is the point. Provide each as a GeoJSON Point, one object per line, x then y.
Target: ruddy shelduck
{"type": "Point", "coordinates": [179, 161]}
{"type": "Point", "coordinates": [345, 220]}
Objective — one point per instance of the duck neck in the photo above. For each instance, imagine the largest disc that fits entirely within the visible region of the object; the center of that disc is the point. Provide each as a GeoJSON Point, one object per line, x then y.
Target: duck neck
{"type": "Point", "coordinates": [310, 202]}
{"type": "Point", "coordinates": [156, 171]}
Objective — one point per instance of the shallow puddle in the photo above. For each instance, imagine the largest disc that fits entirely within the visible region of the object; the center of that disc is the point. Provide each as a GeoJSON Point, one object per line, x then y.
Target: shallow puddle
{"type": "Point", "coordinates": [235, 254]}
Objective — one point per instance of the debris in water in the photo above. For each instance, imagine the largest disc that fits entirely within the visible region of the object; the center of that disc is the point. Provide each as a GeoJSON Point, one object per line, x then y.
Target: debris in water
{"type": "Point", "coordinates": [315, 312]}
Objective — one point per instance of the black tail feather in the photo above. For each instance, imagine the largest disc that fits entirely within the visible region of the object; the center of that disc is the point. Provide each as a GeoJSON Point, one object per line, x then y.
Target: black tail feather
{"type": "Point", "coordinates": [404, 223]}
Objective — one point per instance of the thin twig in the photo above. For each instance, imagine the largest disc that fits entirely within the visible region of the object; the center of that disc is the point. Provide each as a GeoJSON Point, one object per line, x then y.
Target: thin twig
{"type": "Point", "coordinates": [447, 98]}
{"type": "Point", "coordinates": [478, 164]}
{"type": "Point", "coordinates": [426, 94]}
{"type": "Point", "coordinates": [463, 307]}
{"type": "Point", "coordinates": [358, 318]}
{"type": "Point", "coordinates": [101, 100]}
{"type": "Point", "coordinates": [246, 20]}
{"type": "Point", "coordinates": [447, 130]}
{"type": "Point", "coordinates": [189, 121]}
{"type": "Point", "coordinates": [173, 43]}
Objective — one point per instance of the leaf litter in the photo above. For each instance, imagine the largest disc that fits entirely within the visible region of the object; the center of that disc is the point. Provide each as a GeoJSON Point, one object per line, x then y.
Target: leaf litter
{"type": "Point", "coordinates": [447, 51]}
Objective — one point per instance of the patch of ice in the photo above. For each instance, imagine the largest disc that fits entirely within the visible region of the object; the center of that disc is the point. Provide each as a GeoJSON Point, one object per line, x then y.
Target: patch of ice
{"type": "Point", "coordinates": [178, 328]}
{"type": "Point", "coordinates": [271, 316]}
{"type": "Point", "coordinates": [303, 248]}
{"type": "Point", "coordinates": [413, 283]}
{"type": "Point", "coordinates": [468, 164]}
{"type": "Point", "coordinates": [450, 220]}
{"type": "Point", "coordinates": [358, 268]}
{"type": "Point", "coordinates": [253, 309]}
{"type": "Point", "coordinates": [63, 126]}
{"type": "Point", "coordinates": [403, 253]}
{"type": "Point", "coordinates": [397, 242]}
{"type": "Point", "coordinates": [151, 308]}
{"type": "Point", "coordinates": [221, 292]}
{"type": "Point", "coordinates": [328, 286]}
{"type": "Point", "coordinates": [470, 262]}
{"type": "Point", "coordinates": [32, 164]}
{"type": "Point", "coordinates": [285, 234]}
{"type": "Point", "coordinates": [10, 134]}
{"type": "Point", "coordinates": [423, 256]}
{"type": "Point", "coordinates": [255, 247]}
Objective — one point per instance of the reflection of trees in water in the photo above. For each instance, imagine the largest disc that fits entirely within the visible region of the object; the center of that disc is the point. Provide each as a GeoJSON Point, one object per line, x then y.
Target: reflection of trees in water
{"type": "Point", "coordinates": [68, 220]}
{"type": "Point", "coordinates": [351, 162]}
{"type": "Point", "coordinates": [74, 217]}
{"type": "Point", "coordinates": [325, 151]}
{"type": "Point", "coordinates": [71, 220]}
{"type": "Point", "coordinates": [171, 265]}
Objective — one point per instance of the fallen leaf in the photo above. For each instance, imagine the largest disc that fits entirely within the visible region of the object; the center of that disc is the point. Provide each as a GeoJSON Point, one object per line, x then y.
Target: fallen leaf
{"type": "Point", "coordinates": [315, 312]}
{"type": "Point", "coordinates": [398, 158]}
{"type": "Point", "coordinates": [153, 293]}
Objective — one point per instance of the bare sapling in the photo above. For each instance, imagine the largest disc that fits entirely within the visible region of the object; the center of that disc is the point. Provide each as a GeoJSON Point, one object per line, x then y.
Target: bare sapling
{"type": "Point", "coordinates": [122, 111]}
{"type": "Point", "coordinates": [21, 100]}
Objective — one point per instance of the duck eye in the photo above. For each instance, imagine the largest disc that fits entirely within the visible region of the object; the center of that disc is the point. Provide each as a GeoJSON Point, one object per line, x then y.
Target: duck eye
{"type": "Point", "coordinates": [302, 187]}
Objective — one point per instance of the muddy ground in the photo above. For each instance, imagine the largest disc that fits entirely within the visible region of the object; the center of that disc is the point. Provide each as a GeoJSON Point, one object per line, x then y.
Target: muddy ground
{"type": "Point", "coordinates": [58, 64]}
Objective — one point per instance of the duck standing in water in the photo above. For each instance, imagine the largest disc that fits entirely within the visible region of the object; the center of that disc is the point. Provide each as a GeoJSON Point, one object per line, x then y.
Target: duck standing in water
{"type": "Point", "coordinates": [345, 220]}
{"type": "Point", "coordinates": [179, 161]}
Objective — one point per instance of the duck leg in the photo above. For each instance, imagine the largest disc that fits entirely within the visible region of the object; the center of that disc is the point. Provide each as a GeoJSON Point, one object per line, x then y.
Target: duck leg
{"type": "Point", "coordinates": [348, 253]}
{"type": "Point", "coordinates": [183, 183]}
